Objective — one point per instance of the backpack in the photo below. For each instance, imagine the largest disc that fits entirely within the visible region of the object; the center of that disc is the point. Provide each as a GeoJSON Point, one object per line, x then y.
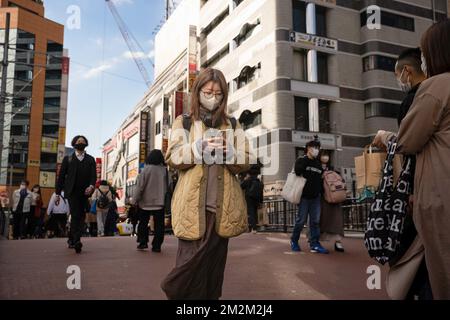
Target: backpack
{"type": "Point", "coordinates": [335, 190]}
{"type": "Point", "coordinates": [103, 201]}
{"type": "Point", "coordinates": [255, 190]}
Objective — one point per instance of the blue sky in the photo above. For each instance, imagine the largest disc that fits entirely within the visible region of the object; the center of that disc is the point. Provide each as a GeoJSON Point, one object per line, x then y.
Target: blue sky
{"type": "Point", "coordinates": [105, 83]}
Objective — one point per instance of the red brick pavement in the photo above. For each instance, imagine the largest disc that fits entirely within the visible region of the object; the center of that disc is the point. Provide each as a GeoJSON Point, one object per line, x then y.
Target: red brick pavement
{"type": "Point", "coordinates": [259, 267]}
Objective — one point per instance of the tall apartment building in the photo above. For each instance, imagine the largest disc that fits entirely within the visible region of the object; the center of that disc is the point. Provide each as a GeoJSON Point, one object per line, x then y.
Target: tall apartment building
{"type": "Point", "coordinates": [304, 68]}
{"type": "Point", "coordinates": [295, 69]}
{"type": "Point", "coordinates": [35, 101]}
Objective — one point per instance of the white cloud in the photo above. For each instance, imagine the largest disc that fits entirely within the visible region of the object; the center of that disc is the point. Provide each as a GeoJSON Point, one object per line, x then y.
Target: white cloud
{"type": "Point", "coordinates": [121, 2]}
{"type": "Point", "coordinates": [139, 54]}
{"type": "Point", "coordinates": [92, 73]}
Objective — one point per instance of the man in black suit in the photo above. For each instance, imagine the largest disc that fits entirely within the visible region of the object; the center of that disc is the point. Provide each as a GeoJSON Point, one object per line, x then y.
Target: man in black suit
{"type": "Point", "coordinates": [77, 179]}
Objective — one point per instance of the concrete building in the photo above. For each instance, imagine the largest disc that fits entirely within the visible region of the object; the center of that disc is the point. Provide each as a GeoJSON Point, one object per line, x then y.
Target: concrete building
{"type": "Point", "coordinates": [295, 69]}
{"type": "Point", "coordinates": [34, 115]}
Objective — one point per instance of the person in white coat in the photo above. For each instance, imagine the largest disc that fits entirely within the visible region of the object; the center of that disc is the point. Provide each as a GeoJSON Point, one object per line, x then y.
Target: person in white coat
{"type": "Point", "coordinates": [58, 210]}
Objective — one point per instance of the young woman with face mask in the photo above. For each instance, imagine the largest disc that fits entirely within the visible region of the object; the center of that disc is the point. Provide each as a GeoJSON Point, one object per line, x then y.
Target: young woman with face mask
{"type": "Point", "coordinates": [331, 216]}
{"type": "Point", "coordinates": [35, 227]}
{"type": "Point", "coordinates": [208, 205]}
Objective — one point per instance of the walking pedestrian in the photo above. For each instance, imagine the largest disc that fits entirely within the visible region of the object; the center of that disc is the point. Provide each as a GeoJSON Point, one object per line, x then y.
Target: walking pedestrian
{"type": "Point", "coordinates": [77, 179]}
{"type": "Point", "coordinates": [112, 217]}
{"type": "Point", "coordinates": [132, 215]}
{"type": "Point", "coordinates": [331, 216]}
{"type": "Point", "coordinates": [152, 186]}
{"type": "Point", "coordinates": [410, 257]}
{"type": "Point", "coordinates": [253, 189]}
{"type": "Point", "coordinates": [310, 168]}
{"type": "Point", "coordinates": [425, 132]}
{"type": "Point", "coordinates": [37, 218]}
{"type": "Point", "coordinates": [58, 209]}
{"type": "Point", "coordinates": [21, 210]}
{"type": "Point", "coordinates": [103, 197]}
{"type": "Point", "coordinates": [208, 205]}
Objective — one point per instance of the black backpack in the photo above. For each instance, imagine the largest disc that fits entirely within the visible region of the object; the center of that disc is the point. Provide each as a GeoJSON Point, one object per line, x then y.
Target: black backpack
{"type": "Point", "coordinates": [103, 201]}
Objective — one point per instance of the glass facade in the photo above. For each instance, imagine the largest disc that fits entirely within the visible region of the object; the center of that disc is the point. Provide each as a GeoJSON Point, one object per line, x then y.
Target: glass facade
{"type": "Point", "coordinates": [21, 105]}
{"type": "Point", "coordinates": [52, 103]}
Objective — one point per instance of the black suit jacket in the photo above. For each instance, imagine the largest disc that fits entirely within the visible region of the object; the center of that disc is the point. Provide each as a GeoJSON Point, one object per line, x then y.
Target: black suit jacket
{"type": "Point", "coordinates": [68, 173]}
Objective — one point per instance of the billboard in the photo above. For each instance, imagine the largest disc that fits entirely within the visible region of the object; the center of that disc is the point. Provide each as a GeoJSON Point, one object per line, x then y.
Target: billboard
{"type": "Point", "coordinates": [47, 179]}
{"type": "Point", "coordinates": [143, 139]}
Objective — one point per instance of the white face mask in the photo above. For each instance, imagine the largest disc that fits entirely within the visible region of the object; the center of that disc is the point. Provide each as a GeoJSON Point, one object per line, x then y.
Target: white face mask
{"type": "Point", "coordinates": [406, 87]}
{"type": "Point", "coordinates": [210, 104]}
{"type": "Point", "coordinates": [424, 66]}
{"type": "Point", "coordinates": [23, 187]}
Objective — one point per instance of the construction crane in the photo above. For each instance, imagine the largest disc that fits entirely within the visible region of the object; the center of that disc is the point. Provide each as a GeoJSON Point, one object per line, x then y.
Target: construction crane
{"type": "Point", "coordinates": [134, 46]}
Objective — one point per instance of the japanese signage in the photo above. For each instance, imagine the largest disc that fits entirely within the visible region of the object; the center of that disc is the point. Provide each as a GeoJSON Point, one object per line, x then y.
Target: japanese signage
{"type": "Point", "coordinates": [143, 138]}
{"type": "Point", "coordinates": [132, 169]}
{"type": "Point", "coordinates": [131, 130]}
{"type": "Point", "coordinates": [313, 40]}
{"type": "Point", "coordinates": [49, 145]}
{"type": "Point", "coordinates": [98, 163]}
{"type": "Point", "coordinates": [328, 141]}
{"type": "Point", "coordinates": [34, 163]}
{"type": "Point", "coordinates": [47, 179]}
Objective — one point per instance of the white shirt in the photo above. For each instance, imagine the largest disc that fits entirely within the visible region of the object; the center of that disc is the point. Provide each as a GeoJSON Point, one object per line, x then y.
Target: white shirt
{"type": "Point", "coordinates": [58, 207]}
{"type": "Point", "coordinates": [80, 155]}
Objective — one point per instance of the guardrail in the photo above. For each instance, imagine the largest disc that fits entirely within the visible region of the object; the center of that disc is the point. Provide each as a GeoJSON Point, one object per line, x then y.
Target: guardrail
{"type": "Point", "coordinates": [280, 215]}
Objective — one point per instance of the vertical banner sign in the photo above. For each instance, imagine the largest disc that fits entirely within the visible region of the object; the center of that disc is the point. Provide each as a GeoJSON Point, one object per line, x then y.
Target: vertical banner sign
{"type": "Point", "coordinates": [143, 139]}
{"type": "Point", "coordinates": [165, 125]}
{"type": "Point", "coordinates": [192, 56]}
{"type": "Point", "coordinates": [179, 104]}
{"type": "Point", "coordinates": [98, 163]}
{"type": "Point", "coordinates": [61, 148]}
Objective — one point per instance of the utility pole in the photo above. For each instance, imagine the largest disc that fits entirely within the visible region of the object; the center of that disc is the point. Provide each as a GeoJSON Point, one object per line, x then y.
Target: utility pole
{"type": "Point", "coordinates": [4, 78]}
{"type": "Point", "coordinates": [11, 172]}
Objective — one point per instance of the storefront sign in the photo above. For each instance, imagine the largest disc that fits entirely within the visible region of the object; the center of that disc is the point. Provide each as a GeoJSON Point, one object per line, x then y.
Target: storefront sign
{"type": "Point", "coordinates": [49, 145]}
{"type": "Point", "coordinates": [34, 163]}
{"type": "Point", "coordinates": [179, 104]}
{"type": "Point", "coordinates": [98, 163]}
{"type": "Point", "coordinates": [131, 130]}
{"type": "Point", "coordinates": [47, 179]}
{"type": "Point", "coordinates": [328, 141]}
{"type": "Point", "coordinates": [313, 40]}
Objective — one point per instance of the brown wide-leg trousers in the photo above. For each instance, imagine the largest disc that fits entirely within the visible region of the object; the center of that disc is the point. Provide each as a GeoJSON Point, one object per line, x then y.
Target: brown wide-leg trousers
{"type": "Point", "coordinates": [200, 267]}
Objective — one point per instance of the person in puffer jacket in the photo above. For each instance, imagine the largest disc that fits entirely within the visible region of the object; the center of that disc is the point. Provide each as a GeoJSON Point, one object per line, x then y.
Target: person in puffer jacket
{"type": "Point", "coordinates": [209, 149]}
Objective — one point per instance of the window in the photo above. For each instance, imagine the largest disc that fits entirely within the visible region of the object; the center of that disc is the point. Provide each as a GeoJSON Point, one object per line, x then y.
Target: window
{"type": "Point", "coordinates": [250, 120]}
{"type": "Point", "coordinates": [210, 27]}
{"type": "Point", "coordinates": [377, 62]}
{"type": "Point", "coordinates": [217, 57]}
{"type": "Point", "coordinates": [391, 20]}
{"type": "Point", "coordinates": [24, 75]}
{"type": "Point", "coordinates": [321, 21]}
{"type": "Point", "coordinates": [381, 109]}
{"type": "Point", "coordinates": [49, 158]}
{"type": "Point", "coordinates": [50, 130]}
{"type": "Point", "coordinates": [246, 32]}
{"type": "Point", "coordinates": [53, 74]}
{"type": "Point", "coordinates": [302, 115]}
{"type": "Point", "coordinates": [16, 130]}
{"type": "Point", "coordinates": [52, 102]}
{"type": "Point", "coordinates": [299, 18]}
{"type": "Point", "coordinates": [248, 74]}
{"type": "Point", "coordinates": [236, 3]}
{"type": "Point", "coordinates": [158, 128]}
{"type": "Point", "coordinates": [322, 67]}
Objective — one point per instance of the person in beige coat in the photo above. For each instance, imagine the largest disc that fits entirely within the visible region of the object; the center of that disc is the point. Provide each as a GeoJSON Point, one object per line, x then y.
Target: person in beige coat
{"type": "Point", "coordinates": [425, 131]}
{"type": "Point", "coordinates": [208, 205]}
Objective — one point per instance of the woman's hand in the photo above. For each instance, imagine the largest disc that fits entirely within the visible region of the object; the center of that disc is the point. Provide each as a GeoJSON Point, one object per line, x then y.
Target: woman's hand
{"type": "Point", "coordinates": [378, 141]}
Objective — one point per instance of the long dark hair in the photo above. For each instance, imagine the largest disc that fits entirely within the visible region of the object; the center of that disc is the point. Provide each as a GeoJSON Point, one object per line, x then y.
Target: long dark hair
{"type": "Point", "coordinates": [435, 46]}
{"type": "Point", "coordinates": [155, 158]}
{"type": "Point", "coordinates": [207, 75]}
{"type": "Point", "coordinates": [38, 187]}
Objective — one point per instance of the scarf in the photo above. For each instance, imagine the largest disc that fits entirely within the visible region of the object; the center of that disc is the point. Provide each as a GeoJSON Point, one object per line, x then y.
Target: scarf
{"type": "Point", "coordinates": [207, 118]}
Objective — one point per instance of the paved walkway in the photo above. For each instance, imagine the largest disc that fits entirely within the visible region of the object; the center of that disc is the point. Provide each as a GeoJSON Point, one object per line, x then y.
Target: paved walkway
{"type": "Point", "coordinates": [259, 267]}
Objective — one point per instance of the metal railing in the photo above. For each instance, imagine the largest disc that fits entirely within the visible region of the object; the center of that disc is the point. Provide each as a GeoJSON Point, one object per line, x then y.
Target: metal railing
{"type": "Point", "coordinates": [280, 215]}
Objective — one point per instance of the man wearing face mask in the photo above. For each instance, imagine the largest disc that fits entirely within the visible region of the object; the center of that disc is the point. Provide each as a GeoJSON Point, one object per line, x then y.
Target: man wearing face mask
{"type": "Point", "coordinates": [310, 168]}
{"type": "Point", "coordinates": [21, 210]}
{"type": "Point", "coordinates": [409, 74]}
{"type": "Point", "coordinates": [77, 179]}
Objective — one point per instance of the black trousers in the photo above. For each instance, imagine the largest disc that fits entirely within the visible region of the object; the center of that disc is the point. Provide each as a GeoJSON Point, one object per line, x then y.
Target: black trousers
{"type": "Point", "coordinates": [78, 205]}
{"type": "Point", "coordinates": [252, 212]}
{"type": "Point", "coordinates": [57, 224]}
{"type": "Point", "coordinates": [20, 224]}
{"type": "Point", "coordinates": [144, 218]}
